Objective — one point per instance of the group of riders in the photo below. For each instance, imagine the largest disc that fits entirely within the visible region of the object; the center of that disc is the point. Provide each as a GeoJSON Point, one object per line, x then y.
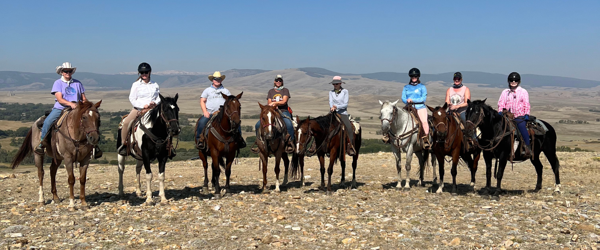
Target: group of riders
{"type": "Point", "coordinates": [144, 96]}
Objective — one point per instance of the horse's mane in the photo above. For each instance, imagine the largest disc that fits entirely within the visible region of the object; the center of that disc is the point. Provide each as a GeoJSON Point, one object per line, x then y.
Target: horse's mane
{"type": "Point", "coordinates": [324, 121]}
{"type": "Point", "coordinates": [81, 108]}
{"type": "Point", "coordinates": [154, 112]}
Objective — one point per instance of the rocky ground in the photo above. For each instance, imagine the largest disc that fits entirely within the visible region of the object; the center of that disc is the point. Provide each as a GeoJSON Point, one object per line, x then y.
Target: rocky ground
{"type": "Point", "coordinates": [374, 216]}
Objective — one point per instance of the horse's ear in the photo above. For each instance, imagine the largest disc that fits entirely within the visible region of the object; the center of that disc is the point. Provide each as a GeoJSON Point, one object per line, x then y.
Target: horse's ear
{"type": "Point", "coordinates": [468, 101]}
{"type": "Point", "coordinates": [97, 105]}
{"type": "Point", "coordinates": [484, 100]}
{"type": "Point", "coordinates": [380, 102]}
{"type": "Point", "coordinates": [176, 97]}
{"type": "Point", "coordinates": [224, 96]}
{"type": "Point", "coordinates": [240, 95]}
{"type": "Point", "coordinates": [430, 108]}
{"type": "Point", "coordinates": [445, 106]}
{"type": "Point", "coordinates": [260, 105]}
{"type": "Point", "coordinates": [162, 98]}
{"type": "Point", "coordinates": [394, 103]}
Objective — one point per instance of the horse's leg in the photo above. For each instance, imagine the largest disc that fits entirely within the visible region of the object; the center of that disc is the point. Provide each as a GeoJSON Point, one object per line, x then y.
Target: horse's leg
{"type": "Point", "coordinates": [332, 155]}
{"type": "Point", "coordinates": [409, 156]}
{"type": "Point", "coordinates": [551, 156]}
{"type": "Point", "coordinates": [286, 165]}
{"type": "Point", "coordinates": [121, 164]}
{"type": "Point", "coordinates": [265, 161]}
{"type": "Point", "coordinates": [53, 170]}
{"type": "Point", "coordinates": [488, 157]}
{"type": "Point", "coordinates": [354, 165]}
{"type": "Point", "coordinates": [433, 161]}
{"type": "Point", "coordinates": [503, 161]}
{"type": "Point", "coordinates": [162, 161]}
{"type": "Point", "coordinates": [204, 161]}
{"type": "Point", "coordinates": [398, 157]}
{"type": "Point", "coordinates": [69, 167]}
{"type": "Point", "coordinates": [422, 159]}
{"type": "Point", "coordinates": [343, 177]}
{"type": "Point", "coordinates": [301, 162]}
{"type": "Point", "coordinates": [322, 162]}
{"type": "Point", "coordinates": [138, 171]}
{"type": "Point", "coordinates": [229, 161]}
{"type": "Point", "coordinates": [216, 172]}
{"type": "Point", "coordinates": [39, 163]}
{"type": "Point", "coordinates": [441, 161]}
{"type": "Point", "coordinates": [83, 166]}
{"type": "Point", "coordinates": [454, 169]}
{"type": "Point", "coordinates": [474, 167]}
{"type": "Point", "coordinates": [277, 170]}
{"type": "Point", "coordinates": [146, 162]}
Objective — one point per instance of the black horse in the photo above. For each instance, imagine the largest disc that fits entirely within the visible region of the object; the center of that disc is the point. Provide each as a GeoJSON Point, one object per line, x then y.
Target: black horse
{"type": "Point", "coordinates": [154, 136]}
{"type": "Point", "coordinates": [496, 142]}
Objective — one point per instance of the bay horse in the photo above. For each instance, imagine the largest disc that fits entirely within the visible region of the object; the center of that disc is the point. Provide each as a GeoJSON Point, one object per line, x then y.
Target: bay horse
{"type": "Point", "coordinates": [154, 135]}
{"type": "Point", "coordinates": [221, 143]}
{"type": "Point", "coordinates": [496, 144]}
{"type": "Point", "coordinates": [403, 130]}
{"type": "Point", "coordinates": [448, 140]}
{"type": "Point", "coordinates": [72, 142]}
{"type": "Point", "coordinates": [270, 139]}
{"type": "Point", "coordinates": [329, 138]}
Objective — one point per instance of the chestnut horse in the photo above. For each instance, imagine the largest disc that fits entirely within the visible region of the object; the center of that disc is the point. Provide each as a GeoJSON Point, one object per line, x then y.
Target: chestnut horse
{"type": "Point", "coordinates": [270, 139]}
{"type": "Point", "coordinates": [448, 140]}
{"type": "Point", "coordinates": [220, 143]}
{"type": "Point", "coordinates": [329, 138]}
{"type": "Point", "coordinates": [72, 143]}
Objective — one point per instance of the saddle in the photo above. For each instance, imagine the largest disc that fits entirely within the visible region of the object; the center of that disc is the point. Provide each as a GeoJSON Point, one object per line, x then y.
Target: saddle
{"type": "Point", "coordinates": [413, 112]}
{"type": "Point", "coordinates": [39, 123]}
{"type": "Point", "coordinates": [534, 127]}
{"type": "Point", "coordinates": [132, 142]}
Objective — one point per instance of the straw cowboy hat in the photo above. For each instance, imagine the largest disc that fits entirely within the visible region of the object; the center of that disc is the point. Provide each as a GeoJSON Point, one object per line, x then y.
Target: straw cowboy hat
{"type": "Point", "coordinates": [217, 74]}
{"type": "Point", "coordinates": [336, 79]}
{"type": "Point", "coordinates": [65, 65]}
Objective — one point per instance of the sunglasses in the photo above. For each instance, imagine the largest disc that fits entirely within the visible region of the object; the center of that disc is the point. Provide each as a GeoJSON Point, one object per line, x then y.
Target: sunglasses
{"type": "Point", "coordinates": [216, 79]}
{"type": "Point", "coordinates": [68, 71]}
{"type": "Point", "coordinates": [278, 80]}
{"type": "Point", "coordinates": [514, 81]}
{"type": "Point", "coordinates": [457, 79]}
{"type": "Point", "coordinates": [144, 72]}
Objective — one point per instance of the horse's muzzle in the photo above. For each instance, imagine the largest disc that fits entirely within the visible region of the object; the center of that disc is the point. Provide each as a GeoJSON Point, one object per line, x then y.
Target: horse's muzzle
{"type": "Point", "coordinates": [93, 138]}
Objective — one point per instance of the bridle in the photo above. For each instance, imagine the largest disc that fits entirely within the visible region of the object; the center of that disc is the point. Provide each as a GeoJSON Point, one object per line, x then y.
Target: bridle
{"type": "Point", "coordinates": [76, 143]}
{"type": "Point", "coordinates": [401, 137]}
{"type": "Point", "coordinates": [229, 117]}
{"type": "Point", "coordinates": [471, 125]}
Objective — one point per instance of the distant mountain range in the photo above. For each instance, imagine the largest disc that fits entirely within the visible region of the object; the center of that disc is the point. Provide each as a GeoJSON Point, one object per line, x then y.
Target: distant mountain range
{"type": "Point", "coordinates": [256, 79]}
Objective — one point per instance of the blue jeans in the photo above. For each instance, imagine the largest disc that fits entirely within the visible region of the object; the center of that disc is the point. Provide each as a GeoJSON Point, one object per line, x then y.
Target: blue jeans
{"type": "Point", "coordinates": [288, 124]}
{"type": "Point", "coordinates": [202, 123]}
{"type": "Point", "coordinates": [522, 126]}
{"type": "Point", "coordinates": [54, 114]}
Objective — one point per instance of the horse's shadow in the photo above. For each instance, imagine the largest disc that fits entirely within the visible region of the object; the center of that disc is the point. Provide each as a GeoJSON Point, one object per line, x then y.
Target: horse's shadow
{"type": "Point", "coordinates": [334, 187]}
{"type": "Point", "coordinates": [413, 184]}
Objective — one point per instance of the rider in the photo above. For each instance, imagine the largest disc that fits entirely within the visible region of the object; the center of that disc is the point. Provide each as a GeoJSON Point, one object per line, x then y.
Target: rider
{"type": "Point", "coordinates": [457, 96]}
{"type": "Point", "coordinates": [516, 100]}
{"type": "Point", "coordinates": [68, 92]}
{"type": "Point", "coordinates": [416, 93]}
{"type": "Point", "coordinates": [210, 102]}
{"type": "Point", "coordinates": [338, 101]}
{"type": "Point", "coordinates": [144, 96]}
{"type": "Point", "coordinates": [278, 96]}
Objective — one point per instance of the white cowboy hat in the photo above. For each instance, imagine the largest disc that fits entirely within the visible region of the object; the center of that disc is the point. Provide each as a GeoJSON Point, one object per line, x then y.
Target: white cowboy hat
{"type": "Point", "coordinates": [336, 79]}
{"type": "Point", "coordinates": [217, 74]}
{"type": "Point", "coordinates": [65, 65]}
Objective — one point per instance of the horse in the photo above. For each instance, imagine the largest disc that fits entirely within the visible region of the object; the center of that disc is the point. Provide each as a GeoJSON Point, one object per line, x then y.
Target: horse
{"type": "Point", "coordinates": [403, 130]}
{"type": "Point", "coordinates": [271, 141]}
{"type": "Point", "coordinates": [154, 135]}
{"type": "Point", "coordinates": [220, 142]}
{"type": "Point", "coordinates": [496, 144]}
{"type": "Point", "coordinates": [72, 142]}
{"type": "Point", "coordinates": [448, 140]}
{"type": "Point", "coordinates": [327, 132]}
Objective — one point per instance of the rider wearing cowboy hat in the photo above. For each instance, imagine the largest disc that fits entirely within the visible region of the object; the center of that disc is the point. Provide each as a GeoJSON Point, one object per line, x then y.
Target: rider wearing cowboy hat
{"type": "Point", "coordinates": [210, 101]}
{"type": "Point", "coordinates": [338, 101]}
{"type": "Point", "coordinates": [67, 91]}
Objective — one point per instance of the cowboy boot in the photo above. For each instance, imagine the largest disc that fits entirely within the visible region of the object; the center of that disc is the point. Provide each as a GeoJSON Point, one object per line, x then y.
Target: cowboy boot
{"type": "Point", "coordinates": [240, 142]}
{"type": "Point", "coordinates": [200, 145]}
{"type": "Point", "coordinates": [350, 149]}
{"type": "Point", "coordinates": [426, 144]}
{"type": "Point", "coordinates": [527, 153]}
{"type": "Point", "coordinates": [123, 149]}
{"type": "Point", "coordinates": [97, 152]}
{"type": "Point", "coordinates": [289, 147]}
{"type": "Point", "coordinates": [39, 149]}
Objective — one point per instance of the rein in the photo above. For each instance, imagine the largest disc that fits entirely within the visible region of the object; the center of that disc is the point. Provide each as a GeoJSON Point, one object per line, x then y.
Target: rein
{"type": "Point", "coordinates": [399, 138]}
{"type": "Point", "coordinates": [76, 143]}
{"type": "Point", "coordinates": [157, 140]}
{"type": "Point", "coordinates": [498, 136]}
{"type": "Point", "coordinates": [328, 138]}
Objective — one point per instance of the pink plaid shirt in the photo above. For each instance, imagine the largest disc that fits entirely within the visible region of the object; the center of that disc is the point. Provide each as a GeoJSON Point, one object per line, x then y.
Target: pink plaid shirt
{"type": "Point", "coordinates": [516, 101]}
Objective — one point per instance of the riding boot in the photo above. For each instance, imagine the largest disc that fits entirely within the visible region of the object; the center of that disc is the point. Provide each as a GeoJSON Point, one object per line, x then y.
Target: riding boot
{"type": "Point", "coordinates": [426, 144]}
{"type": "Point", "coordinates": [97, 152]}
{"type": "Point", "coordinates": [173, 153]}
{"type": "Point", "coordinates": [240, 142]}
{"type": "Point", "coordinates": [200, 144]}
{"type": "Point", "coordinates": [289, 148]}
{"type": "Point", "coordinates": [350, 149]}
{"type": "Point", "coordinates": [123, 149]}
{"type": "Point", "coordinates": [386, 138]}
{"type": "Point", "coordinates": [39, 149]}
{"type": "Point", "coordinates": [527, 153]}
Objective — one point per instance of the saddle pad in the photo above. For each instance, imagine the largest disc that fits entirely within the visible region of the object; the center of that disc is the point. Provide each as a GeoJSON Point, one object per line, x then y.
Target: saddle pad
{"type": "Point", "coordinates": [542, 125]}
{"type": "Point", "coordinates": [355, 123]}
{"type": "Point", "coordinates": [63, 115]}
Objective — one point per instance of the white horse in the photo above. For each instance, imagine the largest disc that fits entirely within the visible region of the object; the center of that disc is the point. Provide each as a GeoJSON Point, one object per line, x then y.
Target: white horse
{"type": "Point", "coordinates": [403, 130]}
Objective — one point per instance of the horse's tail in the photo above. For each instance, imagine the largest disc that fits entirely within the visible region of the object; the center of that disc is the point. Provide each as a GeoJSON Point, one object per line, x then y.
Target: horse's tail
{"type": "Point", "coordinates": [222, 163]}
{"type": "Point", "coordinates": [294, 171]}
{"type": "Point", "coordinates": [24, 151]}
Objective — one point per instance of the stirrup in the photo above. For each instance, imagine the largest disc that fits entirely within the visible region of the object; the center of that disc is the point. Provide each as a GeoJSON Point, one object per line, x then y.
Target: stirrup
{"type": "Point", "coordinates": [39, 149]}
{"type": "Point", "coordinates": [350, 150]}
{"type": "Point", "coordinates": [122, 149]}
{"type": "Point", "coordinates": [97, 153]}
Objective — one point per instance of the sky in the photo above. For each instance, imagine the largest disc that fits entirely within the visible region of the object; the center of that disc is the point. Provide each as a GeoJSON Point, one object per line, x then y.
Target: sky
{"type": "Point", "coordinates": [559, 38]}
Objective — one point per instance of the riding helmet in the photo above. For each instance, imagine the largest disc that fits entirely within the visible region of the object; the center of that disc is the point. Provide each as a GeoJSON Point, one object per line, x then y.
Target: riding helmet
{"type": "Point", "coordinates": [144, 67]}
{"type": "Point", "coordinates": [414, 72]}
{"type": "Point", "coordinates": [514, 76]}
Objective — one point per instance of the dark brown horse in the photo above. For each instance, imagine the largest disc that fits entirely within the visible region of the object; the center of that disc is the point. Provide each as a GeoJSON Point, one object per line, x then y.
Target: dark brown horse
{"type": "Point", "coordinates": [220, 142]}
{"type": "Point", "coordinates": [72, 142]}
{"type": "Point", "coordinates": [271, 141]}
{"type": "Point", "coordinates": [448, 140]}
{"type": "Point", "coordinates": [329, 138]}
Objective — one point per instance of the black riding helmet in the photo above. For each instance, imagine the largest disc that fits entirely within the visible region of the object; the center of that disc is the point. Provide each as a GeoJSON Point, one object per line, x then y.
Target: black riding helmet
{"type": "Point", "coordinates": [514, 76]}
{"type": "Point", "coordinates": [144, 67]}
{"type": "Point", "coordinates": [414, 72]}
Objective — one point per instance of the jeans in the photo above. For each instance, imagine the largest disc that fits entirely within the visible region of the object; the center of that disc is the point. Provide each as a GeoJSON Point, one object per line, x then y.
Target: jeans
{"type": "Point", "coordinates": [522, 126]}
{"type": "Point", "coordinates": [288, 124]}
{"type": "Point", "coordinates": [202, 123]}
{"type": "Point", "coordinates": [349, 129]}
{"type": "Point", "coordinates": [54, 114]}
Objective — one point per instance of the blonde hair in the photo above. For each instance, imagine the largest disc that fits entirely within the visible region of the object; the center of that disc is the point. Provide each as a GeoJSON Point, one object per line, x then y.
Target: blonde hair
{"type": "Point", "coordinates": [275, 82]}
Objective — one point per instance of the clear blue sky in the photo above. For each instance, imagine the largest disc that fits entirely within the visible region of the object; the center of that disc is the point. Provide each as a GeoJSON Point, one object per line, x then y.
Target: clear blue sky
{"type": "Point", "coordinates": [538, 37]}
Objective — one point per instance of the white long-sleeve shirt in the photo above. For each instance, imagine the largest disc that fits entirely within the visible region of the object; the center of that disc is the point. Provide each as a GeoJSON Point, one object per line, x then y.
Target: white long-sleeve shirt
{"type": "Point", "coordinates": [144, 93]}
{"type": "Point", "coordinates": [339, 100]}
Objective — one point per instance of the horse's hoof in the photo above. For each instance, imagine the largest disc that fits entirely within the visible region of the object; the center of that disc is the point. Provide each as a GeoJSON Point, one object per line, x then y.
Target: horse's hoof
{"type": "Point", "coordinates": [139, 194]}
{"type": "Point", "coordinates": [472, 184]}
{"type": "Point", "coordinates": [217, 196]}
{"type": "Point", "coordinates": [41, 203]}
{"type": "Point", "coordinates": [439, 191]}
{"type": "Point", "coordinates": [71, 209]}
{"type": "Point", "coordinates": [329, 192]}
